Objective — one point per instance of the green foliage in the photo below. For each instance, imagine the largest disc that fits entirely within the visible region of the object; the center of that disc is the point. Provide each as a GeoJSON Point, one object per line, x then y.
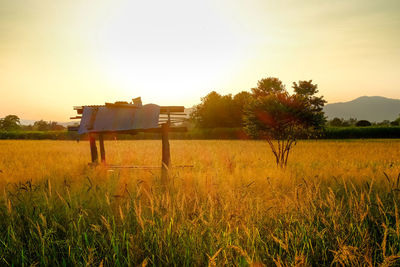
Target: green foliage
{"type": "Point", "coordinates": [268, 86]}
{"type": "Point", "coordinates": [10, 123]}
{"type": "Point", "coordinates": [274, 114]}
{"type": "Point", "coordinates": [39, 135]}
{"type": "Point", "coordinates": [217, 110]}
{"type": "Point", "coordinates": [47, 126]}
{"type": "Point", "coordinates": [361, 132]}
{"type": "Point", "coordinates": [363, 123]}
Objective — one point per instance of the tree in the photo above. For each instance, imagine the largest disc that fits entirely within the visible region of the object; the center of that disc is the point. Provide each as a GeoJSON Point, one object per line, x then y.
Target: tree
{"type": "Point", "coordinates": [281, 118]}
{"type": "Point", "coordinates": [41, 125]}
{"type": "Point", "coordinates": [240, 102]}
{"type": "Point", "coordinates": [217, 110]}
{"type": "Point", "coordinates": [363, 123]}
{"type": "Point", "coordinates": [336, 122]}
{"type": "Point", "coordinates": [268, 86]}
{"type": "Point", "coordinates": [396, 122]}
{"type": "Point", "coordinates": [10, 123]}
{"type": "Point", "coordinates": [54, 126]}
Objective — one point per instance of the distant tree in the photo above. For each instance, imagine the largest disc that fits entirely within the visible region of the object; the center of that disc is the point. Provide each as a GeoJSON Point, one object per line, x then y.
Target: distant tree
{"type": "Point", "coordinates": [240, 102]}
{"type": "Point", "coordinates": [10, 123]}
{"type": "Point", "coordinates": [217, 110]}
{"type": "Point", "coordinates": [396, 122]}
{"type": "Point", "coordinates": [307, 90]}
{"type": "Point", "coordinates": [352, 121]}
{"type": "Point", "coordinates": [336, 122]}
{"type": "Point", "coordinates": [363, 123]}
{"type": "Point", "coordinates": [281, 118]}
{"type": "Point", "coordinates": [54, 126]}
{"type": "Point", "coordinates": [27, 127]}
{"type": "Point", "coordinates": [41, 125]}
{"type": "Point", "coordinates": [383, 123]}
{"type": "Point", "coordinates": [268, 86]}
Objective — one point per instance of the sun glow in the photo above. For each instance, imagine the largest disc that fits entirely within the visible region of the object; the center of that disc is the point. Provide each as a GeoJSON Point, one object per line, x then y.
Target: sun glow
{"type": "Point", "coordinates": [57, 54]}
{"type": "Point", "coordinates": [165, 54]}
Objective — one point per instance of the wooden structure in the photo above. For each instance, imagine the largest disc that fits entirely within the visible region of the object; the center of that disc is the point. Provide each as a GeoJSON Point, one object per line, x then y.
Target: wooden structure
{"type": "Point", "coordinates": [128, 118]}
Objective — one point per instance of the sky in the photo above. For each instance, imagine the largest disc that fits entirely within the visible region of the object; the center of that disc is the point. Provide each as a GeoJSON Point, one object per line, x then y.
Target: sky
{"type": "Point", "coordinates": [58, 54]}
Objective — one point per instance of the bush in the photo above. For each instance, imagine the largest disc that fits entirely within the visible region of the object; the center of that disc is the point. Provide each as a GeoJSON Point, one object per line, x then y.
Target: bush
{"type": "Point", "coordinates": [363, 123]}
{"type": "Point", "coordinates": [361, 132]}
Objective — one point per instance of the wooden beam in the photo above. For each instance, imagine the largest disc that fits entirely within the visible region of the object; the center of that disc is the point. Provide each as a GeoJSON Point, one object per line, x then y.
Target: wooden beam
{"type": "Point", "coordinates": [93, 148]}
{"type": "Point", "coordinates": [73, 128]}
{"type": "Point", "coordinates": [167, 109]}
{"type": "Point", "coordinates": [150, 130]}
{"type": "Point", "coordinates": [120, 105]}
{"type": "Point", "coordinates": [102, 150]}
{"type": "Point", "coordinates": [166, 155]}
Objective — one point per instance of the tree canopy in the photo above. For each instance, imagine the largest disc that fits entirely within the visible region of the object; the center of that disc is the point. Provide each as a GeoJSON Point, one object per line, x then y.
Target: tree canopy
{"type": "Point", "coordinates": [217, 110]}
{"type": "Point", "coordinates": [281, 118]}
{"type": "Point", "coordinates": [10, 123]}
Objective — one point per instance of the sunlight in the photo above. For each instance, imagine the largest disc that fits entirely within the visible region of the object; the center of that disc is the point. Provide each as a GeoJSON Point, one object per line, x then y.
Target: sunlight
{"type": "Point", "coordinates": [179, 52]}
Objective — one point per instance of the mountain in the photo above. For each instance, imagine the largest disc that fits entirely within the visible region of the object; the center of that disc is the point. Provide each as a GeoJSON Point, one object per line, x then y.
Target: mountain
{"type": "Point", "coordinates": [371, 108]}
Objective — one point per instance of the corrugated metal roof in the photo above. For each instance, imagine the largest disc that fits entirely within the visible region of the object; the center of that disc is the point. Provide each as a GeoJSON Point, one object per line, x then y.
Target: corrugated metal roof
{"type": "Point", "coordinates": [113, 119]}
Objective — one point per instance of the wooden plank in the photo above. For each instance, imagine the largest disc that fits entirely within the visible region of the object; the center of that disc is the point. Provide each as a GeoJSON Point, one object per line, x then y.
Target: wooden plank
{"type": "Point", "coordinates": [93, 148]}
{"type": "Point", "coordinates": [166, 155]}
{"type": "Point", "coordinates": [73, 128]}
{"type": "Point", "coordinates": [102, 150]}
{"type": "Point", "coordinates": [150, 130]}
{"type": "Point", "coordinates": [166, 109]}
{"type": "Point", "coordinates": [79, 109]}
{"type": "Point", "coordinates": [75, 118]}
{"type": "Point", "coordinates": [120, 105]}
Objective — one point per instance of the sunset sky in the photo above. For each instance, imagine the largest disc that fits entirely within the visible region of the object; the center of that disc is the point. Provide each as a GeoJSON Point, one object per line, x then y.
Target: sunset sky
{"type": "Point", "coordinates": [57, 54]}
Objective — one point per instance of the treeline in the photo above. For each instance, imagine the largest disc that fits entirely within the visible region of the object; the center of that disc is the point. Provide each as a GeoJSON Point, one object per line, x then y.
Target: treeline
{"type": "Point", "coordinates": [12, 123]}
{"type": "Point", "coordinates": [267, 110]}
{"type": "Point", "coordinates": [207, 134]}
{"type": "Point", "coordinates": [340, 122]}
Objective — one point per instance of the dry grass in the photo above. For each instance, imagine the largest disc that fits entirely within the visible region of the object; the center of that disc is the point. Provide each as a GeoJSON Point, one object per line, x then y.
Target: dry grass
{"type": "Point", "coordinates": [336, 202]}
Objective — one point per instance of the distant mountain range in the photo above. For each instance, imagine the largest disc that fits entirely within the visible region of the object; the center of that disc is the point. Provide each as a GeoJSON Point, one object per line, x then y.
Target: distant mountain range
{"type": "Point", "coordinates": [371, 108]}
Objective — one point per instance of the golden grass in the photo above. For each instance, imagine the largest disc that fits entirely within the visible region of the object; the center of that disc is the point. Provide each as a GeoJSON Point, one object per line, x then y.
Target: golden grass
{"type": "Point", "coordinates": [336, 202]}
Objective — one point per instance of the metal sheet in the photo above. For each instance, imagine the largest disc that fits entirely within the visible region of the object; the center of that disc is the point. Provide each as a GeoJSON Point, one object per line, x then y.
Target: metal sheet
{"type": "Point", "coordinates": [114, 119]}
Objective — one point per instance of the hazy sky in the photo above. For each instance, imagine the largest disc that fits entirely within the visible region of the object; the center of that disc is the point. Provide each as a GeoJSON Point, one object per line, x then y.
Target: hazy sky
{"type": "Point", "coordinates": [57, 54]}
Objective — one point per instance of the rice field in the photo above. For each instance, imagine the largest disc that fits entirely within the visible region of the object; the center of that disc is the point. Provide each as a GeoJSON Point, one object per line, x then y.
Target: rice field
{"type": "Point", "coordinates": [336, 203]}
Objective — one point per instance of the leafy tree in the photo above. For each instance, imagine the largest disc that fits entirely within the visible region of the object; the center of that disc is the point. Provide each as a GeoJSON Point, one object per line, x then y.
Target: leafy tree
{"type": "Point", "coordinates": [281, 118]}
{"type": "Point", "coordinates": [307, 90]}
{"type": "Point", "coordinates": [10, 123]}
{"type": "Point", "coordinates": [217, 110]}
{"type": "Point", "coordinates": [54, 126]}
{"type": "Point", "coordinates": [240, 101]}
{"type": "Point", "coordinates": [396, 122]}
{"type": "Point", "coordinates": [363, 123]}
{"type": "Point", "coordinates": [336, 122]}
{"type": "Point", "coordinates": [41, 125]}
{"type": "Point", "coordinates": [268, 86]}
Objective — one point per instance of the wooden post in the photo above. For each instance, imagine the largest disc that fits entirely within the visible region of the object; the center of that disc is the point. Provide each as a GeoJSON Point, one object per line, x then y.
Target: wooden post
{"type": "Point", "coordinates": [166, 156]}
{"type": "Point", "coordinates": [102, 150]}
{"type": "Point", "coordinates": [93, 148]}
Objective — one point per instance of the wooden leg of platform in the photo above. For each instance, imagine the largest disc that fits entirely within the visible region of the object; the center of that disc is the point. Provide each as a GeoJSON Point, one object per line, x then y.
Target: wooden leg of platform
{"type": "Point", "coordinates": [166, 156]}
{"type": "Point", "coordinates": [102, 150]}
{"type": "Point", "coordinates": [93, 148]}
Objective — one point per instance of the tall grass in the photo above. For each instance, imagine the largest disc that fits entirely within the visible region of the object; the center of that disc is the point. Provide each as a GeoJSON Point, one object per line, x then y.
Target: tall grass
{"type": "Point", "coordinates": [336, 202]}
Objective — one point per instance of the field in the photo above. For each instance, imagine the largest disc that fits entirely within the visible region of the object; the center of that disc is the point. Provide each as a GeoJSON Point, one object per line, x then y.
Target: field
{"type": "Point", "coordinates": [336, 202]}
